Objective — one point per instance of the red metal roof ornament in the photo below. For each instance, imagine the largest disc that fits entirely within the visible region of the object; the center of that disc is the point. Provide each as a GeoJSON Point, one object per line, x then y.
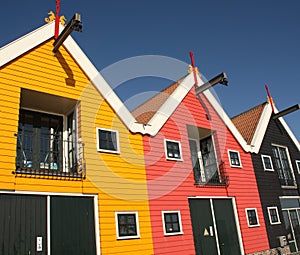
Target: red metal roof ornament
{"type": "Point", "coordinates": [56, 32]}
{"type": "Point", "coordinates": [194, 68]}
{"type": "Point", "coordinates": [270, 100]}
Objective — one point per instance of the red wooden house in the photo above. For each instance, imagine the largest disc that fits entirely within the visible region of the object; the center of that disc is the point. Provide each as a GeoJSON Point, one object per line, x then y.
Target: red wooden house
{"type": "Point", "coordinates": [203, 194]}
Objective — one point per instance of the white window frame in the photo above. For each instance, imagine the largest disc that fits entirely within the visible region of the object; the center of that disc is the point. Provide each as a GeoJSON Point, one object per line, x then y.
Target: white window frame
{"type": "Point", "coordinates": [290, 164]}
{"type": "Point", "coordinates": [229, 158]}
{"type": "Point", "coordinates": [166, 150]}
{"type": "Point", "coordinates": [179, 222]}
{"type": "Point", "coordinates": [298, 165]}
{"type": "Point", "coordinates": [270, 158]}
{"type": "Point", "coordinates": [117, 151]}
{"type": "Point", "coordinates": [251, 209]}
{"type": "Point", "coordinates": [272, 208]}
{"type": "Point", "coordinates": [136, 221]}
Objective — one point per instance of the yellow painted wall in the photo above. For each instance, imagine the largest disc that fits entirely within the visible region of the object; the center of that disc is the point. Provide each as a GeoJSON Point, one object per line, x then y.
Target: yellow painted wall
{"type": "Point", "coordinates": [118, 179]}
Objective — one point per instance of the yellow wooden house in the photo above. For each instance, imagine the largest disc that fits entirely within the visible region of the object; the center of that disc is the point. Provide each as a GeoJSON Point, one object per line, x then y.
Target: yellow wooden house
{"type": "Point", "coordinates": [72, 175]}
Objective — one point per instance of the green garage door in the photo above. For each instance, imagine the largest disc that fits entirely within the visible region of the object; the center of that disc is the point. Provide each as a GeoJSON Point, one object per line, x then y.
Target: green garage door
{"type": "Point", "coordinates": [23, 225]}
{"type": "Point", "coordinates": [214, 227]}
{"type": "Point", "coordinates": [72, 226]}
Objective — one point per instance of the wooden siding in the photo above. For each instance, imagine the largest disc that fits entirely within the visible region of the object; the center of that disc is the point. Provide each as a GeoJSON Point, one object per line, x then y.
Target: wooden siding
{"type": "Point", "coordinates": [170, 183]}
{"type": "Point", "coordinates": [118, 179]}
{"type": "Point", "coordinates": [268, 182]}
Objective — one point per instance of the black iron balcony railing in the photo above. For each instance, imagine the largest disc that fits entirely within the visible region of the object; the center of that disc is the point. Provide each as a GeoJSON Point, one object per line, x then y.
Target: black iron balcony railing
{"type": "Point", "coordinates": [49, 155]}
{"type": "Point", "coordinates": [287, 182]}
{"type": "Point", "coordinates": [214, 177]}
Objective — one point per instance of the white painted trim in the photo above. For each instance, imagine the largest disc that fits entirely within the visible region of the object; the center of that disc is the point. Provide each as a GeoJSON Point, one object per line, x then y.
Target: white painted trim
{"type": "Point", "coordinates": [170, 105]}
{"type": "Point", "coordinates": [25, 43]}
{"type": "Point", "coordinates": [238, 225]}
{"type": "Point", "coordinates": [298, 165]}
{"type": "Point", "coordinates": [261, 128]}
{"type": "Point", "coordinates": [222, 114]}
{"type": "Point", "coordinates": [40, 35]}
{"type": "Point", "coordinates": [48, 226]}
{"type": "Point", "coordinates": [216, 235]}
{"type": "Point", "coordinates": [263, 162]}
{"type": "Point", "coordinates": [290, 133]}
{"type": "Point", "coordinates": [24, 192]}
{"type": "Point", "coordinates": [137, 236]}
{"type": "Point", "coordinates": [209, 197]}
{"type": "Point", "coordinates": [97, 225]}
{"type": "Point", "coordinates": [276, 209]}
{"type": "Point", "coordinates": [179, 222]}
{"type": "Point", "coordinates": [252, 226]}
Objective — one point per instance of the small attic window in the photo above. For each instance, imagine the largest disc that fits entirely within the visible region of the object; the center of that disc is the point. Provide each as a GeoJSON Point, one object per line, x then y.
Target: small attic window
{"type": "Point", "coordinates": [173, 150]}
{"type": "Point", "coordinates": [234, 158]}
{"type": "Point", "coordinates": [107, 140]}
{"type": "Point", "coordinates": [267, 162]}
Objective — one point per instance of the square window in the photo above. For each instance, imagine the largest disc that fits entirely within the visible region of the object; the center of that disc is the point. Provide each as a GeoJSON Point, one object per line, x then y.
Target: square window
{"type": "Point", "coordinates": [252, 217]}
{"type": "Point", "coordinates": [273, 215]}
{"type": "Point", "coordinates": [172, 222]}
{"type": "Point", "coordinates": [234, 157]}
{"type": "Point", "coordinates": [127, 226]}
{"type": "Point", "coordinates": [107, 140]}
{"type": "Point", "coordinates": [298, 165]}
{"type": "Point", "coordinates": [267, 163]}
{"type": "Point", "coordinates": [173, 150]}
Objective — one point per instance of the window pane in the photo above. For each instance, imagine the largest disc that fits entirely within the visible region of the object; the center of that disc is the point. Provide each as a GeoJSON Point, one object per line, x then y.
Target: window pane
{"type": "Point", "coordinates": [252, 217]}
{"type": "Point", "coordinates": [127, 225]}
{"type": "Point", "coordinates": [107, 140]}
{"type": "Point", "coordinates": [234, 158]}
{"type": "Point", "coordinates": [172, 222]}
{"type": "Point", "coordinates": [173, 150]}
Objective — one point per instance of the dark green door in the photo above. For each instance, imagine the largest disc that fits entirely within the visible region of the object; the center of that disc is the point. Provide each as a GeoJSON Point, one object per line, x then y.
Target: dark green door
{"type": "Point", "coordinates": [214, 227]}
{"type": "Point", "coordinates": [23, 225]}
{"type": "Point", "coordinates": [226, 227]}
{"type": "Point", "coordinates": [72, 226]}
{"type": "Point", "coordinates": [202, 223]}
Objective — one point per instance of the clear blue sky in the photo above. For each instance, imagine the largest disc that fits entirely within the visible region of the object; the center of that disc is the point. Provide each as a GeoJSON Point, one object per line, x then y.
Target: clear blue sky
{"type": "Point", "coordinates": [256, 42]}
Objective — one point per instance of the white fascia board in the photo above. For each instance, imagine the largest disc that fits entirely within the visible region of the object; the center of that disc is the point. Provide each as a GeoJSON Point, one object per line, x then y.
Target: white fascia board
{"type": "Point", "coordinates": [290, 133]}
{"type": "Point", "coordinates": [222, 114]}
{"type": "Point", "coordinates": [261, 128]}
{"type": "Point", "coordinates": [103, 87]}
{"type": "Point", "coordinates": [173, 101]}
{"type": "Point", "coordinates": [25, 43]}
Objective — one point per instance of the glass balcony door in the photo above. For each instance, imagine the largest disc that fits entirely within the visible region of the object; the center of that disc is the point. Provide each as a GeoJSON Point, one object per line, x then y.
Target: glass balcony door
{"type": "Point", "coordinates": [40, 141]}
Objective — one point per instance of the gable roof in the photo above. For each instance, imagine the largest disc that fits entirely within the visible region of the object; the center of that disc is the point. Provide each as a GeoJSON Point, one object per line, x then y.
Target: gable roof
{"type": "Point", "coordinates": [150, 123]}
{"type": "Point", "coordinates": [145, 112]}
{"type": "Point", "coordinates": [247, 122]}
{"type": "Point", "coordinates": [253, 123]}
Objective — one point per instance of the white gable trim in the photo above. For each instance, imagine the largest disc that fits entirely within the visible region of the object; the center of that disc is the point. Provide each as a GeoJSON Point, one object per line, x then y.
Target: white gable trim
{"type": "Point", "coordinates": [261, 128]}
{"type": "Point", "coordinates": [173, 101]}
{"type": "Point", "coordinates": [222, 114]}
{"type": "Point", "coordinates": [25, 43]}
{"type": "Point", "coordinates": [290, 133]}
{"type": "Point", "coordinates": [46, 32]}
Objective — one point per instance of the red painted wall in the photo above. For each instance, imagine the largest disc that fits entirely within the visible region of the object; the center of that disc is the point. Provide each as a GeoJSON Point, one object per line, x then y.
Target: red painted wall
{"type": "Point", "coordinates": [170, 183]}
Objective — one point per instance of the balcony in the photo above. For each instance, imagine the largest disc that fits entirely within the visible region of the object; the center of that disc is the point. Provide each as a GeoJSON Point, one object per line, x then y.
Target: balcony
{"type": "Point", "coordinates": [215, 177]}
{"type": "Point", "coordinates": [288, 182]}
{"type": "Point", "coordinates": [49, 156]}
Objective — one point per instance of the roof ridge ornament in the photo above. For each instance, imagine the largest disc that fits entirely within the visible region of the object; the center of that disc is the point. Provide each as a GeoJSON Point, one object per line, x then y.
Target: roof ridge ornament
{"type": "Point", "coordinates": [193, 68]}
{"type": "Point", "coordinates": [62, 19]}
